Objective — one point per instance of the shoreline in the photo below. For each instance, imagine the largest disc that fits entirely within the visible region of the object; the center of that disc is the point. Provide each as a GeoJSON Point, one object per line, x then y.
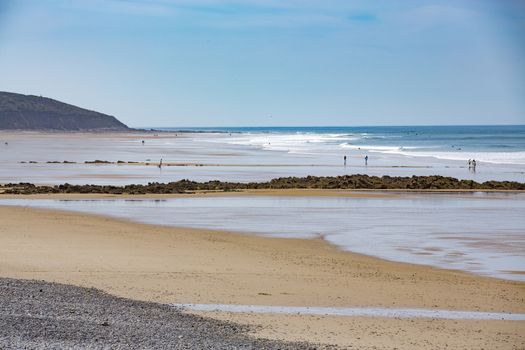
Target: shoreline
{"type": "Point", "coordinates": [295, 192]}
{"type": "Point", "coordinates": [167, 265]}
{"type": "Point", "coordinates": [24, 201]}
{"type": "Point", "coordinates": [208, 156]}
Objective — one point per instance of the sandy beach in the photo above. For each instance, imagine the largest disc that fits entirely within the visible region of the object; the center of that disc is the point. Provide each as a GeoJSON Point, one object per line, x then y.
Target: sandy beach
{"type": "Point", "coordinates": [262, 175]}
{"type": "Point", "coordinates": [179, 265]}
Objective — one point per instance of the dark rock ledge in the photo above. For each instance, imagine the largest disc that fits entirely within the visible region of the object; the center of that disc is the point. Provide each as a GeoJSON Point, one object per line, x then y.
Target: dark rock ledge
{"type": "Point", "coordinates": [356, 182]}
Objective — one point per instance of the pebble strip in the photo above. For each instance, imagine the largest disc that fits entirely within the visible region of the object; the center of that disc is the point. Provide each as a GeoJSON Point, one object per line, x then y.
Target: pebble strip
{"type": "Point", "coordinates": [41, 315]}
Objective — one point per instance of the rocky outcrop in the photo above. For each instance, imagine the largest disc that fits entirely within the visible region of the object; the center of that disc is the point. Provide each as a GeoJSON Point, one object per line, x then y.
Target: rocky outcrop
{"type": "Point", "coordinates": [363, 182]}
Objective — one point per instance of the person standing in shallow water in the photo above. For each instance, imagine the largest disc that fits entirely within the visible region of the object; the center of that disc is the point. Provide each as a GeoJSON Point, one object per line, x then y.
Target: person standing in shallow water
{"type": "Point", "coordinates": [366, 160]}
{"type": "Point", "coordinates": [472, 165]}
{"type": "Point", "coordinates": [344, 160]}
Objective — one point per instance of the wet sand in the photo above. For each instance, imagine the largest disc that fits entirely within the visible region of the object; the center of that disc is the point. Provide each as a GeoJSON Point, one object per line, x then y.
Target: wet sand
{"type": "Point", "coordinates": [200, 157]}
{"type": "Point", "coordinates": [175, 265]}
{"type": "Point", "coordinates": [310, 192]}
{"type": "Point", "coordinates": [483, 232]}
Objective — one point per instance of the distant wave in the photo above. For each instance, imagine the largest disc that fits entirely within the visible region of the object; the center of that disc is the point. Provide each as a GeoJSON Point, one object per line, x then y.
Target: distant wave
{"type": "Point", "coordinates": [437, 147]}
{"type": "Point", "coordinates": [409, 151]}
{"type": "Point", "coordinates": [291, 143]}
{"type": "Point", "coordinates": [487, 157]}
{"type": "Point", "coordinates": [376, 148]}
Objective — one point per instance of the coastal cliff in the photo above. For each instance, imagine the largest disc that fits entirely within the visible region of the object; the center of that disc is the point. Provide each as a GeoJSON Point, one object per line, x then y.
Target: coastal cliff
{"type": "Point", "coordinates": [29, 112]}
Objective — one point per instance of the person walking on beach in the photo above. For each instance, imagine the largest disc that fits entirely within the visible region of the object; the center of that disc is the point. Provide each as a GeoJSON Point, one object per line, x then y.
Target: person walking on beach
{"type": "Point", "coordinates": [344, 158]}
{"type": "Point", "coordinates": [473, 165]}
{"type": "Point", "coordinates": [160, 164]}
{"type": "Point", "coordinates": [366, 160]}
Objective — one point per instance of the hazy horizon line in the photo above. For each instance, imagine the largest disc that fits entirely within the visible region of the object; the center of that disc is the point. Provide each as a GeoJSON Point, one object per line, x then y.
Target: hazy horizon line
{"type": "Point", "coordinates": [324, 126]}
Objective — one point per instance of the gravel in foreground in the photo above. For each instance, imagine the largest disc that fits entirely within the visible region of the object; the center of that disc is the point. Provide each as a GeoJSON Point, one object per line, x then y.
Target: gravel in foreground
{"type": "Point", "coordinates": [42, 315]}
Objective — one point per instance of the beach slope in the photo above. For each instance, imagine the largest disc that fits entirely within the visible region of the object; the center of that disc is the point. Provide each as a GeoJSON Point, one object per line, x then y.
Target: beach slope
{"type": "Point", "coordinates": [178, 265]}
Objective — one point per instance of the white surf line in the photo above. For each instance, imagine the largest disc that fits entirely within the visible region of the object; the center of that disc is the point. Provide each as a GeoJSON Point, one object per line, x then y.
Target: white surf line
{"type": "Point", "coordinates": [354, 311]}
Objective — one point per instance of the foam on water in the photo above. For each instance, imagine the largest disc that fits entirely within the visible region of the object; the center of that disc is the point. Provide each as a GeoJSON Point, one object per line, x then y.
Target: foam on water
{"type": "Point", "coordinates": [447, 148]}
{"type": "Point", "coordinates": [487, 157]}
{"type": "Point", "coordinates": [305, 143]}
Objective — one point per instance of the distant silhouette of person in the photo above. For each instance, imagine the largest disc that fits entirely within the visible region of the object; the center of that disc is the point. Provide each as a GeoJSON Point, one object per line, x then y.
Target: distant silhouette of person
{"type": "Point", "coordinates": [6, 143]}
{"type": "Point", "coordinates": [473, 165]}
{"type": "Point", "coordinates": [469, 164]}
{"type": "Point", "coordinates": [160, 164]}
{"type": "Point", "coordinates": [344, 158]}
{"type": "Point", "coordinates": [142, 141]}
{"type": "Point", "coordinates": [366, 160]}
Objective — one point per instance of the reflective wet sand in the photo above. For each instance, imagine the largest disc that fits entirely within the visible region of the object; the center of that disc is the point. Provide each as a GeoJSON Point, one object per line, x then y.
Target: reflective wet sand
{"type": "Point", "coordinates": [39, 158]}
{"type": "Point", "coordinates": [477, 232]}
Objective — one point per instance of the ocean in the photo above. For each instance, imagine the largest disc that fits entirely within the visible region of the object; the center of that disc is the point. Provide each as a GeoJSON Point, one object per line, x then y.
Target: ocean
{"type": "Point", "coordinates": [497, 144]}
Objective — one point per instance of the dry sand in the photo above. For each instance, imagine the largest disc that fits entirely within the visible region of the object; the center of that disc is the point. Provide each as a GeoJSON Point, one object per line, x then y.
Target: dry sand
{"type": "Point", "coordinates": [178, 265]}
{"type": "Point", "coordinates": [385, 333]}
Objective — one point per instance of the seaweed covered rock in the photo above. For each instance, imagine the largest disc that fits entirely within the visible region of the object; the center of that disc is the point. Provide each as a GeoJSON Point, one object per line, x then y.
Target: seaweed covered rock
{"type": "Point", "coordinates": [360, 182]}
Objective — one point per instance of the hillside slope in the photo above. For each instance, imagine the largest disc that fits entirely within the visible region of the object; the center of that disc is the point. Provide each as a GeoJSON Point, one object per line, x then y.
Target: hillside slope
{"type": "Point", "coordinates": [28, 112]}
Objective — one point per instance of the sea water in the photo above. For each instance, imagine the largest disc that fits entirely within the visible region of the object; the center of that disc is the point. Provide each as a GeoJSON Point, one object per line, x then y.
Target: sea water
{"type": "Point", "coordinates": [498, 144]}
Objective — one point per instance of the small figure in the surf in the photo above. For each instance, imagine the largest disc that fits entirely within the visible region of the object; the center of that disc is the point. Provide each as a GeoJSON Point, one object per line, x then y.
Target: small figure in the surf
{"type": "Point", "coordinates": [366, 160]}
{"type": "Point", "coordinates": [344, 160]}
{"type": "Point", "coordinates": [472, 165]}
{"type": "Point", "coordinates": [160, 164]}
{"type": "Point", "coordinates": [143, 142]}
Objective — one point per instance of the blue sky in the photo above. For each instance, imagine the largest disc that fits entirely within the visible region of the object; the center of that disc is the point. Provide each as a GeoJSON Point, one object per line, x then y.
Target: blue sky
{"type": "Point", "coordinates": [270, 62]}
